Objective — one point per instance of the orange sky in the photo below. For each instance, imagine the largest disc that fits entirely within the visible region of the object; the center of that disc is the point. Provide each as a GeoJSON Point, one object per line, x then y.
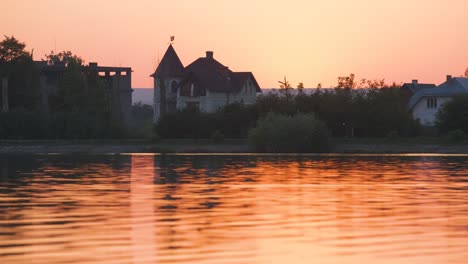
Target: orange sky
{"type": "Point", "coordinates": [307, 41]}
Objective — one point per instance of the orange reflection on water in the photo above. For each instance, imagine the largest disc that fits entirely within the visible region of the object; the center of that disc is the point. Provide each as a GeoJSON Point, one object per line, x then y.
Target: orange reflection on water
{"type": "Point", "coordinates": [143, 215]}
{"type": "Point", "coordinates": [235, 209]}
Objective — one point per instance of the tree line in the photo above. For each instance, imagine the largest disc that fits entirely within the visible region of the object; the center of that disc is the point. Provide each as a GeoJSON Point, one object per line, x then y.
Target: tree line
{"type": "Point", "coordinates": [376, 111]}
{"type": "Point", "coordinates": [79, 106]}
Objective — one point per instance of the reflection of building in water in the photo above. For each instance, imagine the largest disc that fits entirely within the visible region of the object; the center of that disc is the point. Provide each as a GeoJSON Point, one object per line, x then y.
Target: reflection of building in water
{"type": "Point", "coordinates": [3, 169]}
{"type": "Point", "coordinates": [197, 211]}
{"type": "Point", "coordinates": [142, 211]}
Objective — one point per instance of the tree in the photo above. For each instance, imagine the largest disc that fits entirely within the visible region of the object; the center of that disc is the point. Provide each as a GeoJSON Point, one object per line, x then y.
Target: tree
{"type": "Point", "coordinates": [284, 84]}
{"type": "Point", "coordinates": [97, 100]}
{"type": "Point", "coordinates": [71, 88]}
{"type": "Point", "coordinates": [285, 88]}
{"type": "Point", "coordinates": [20, 78]}
{"type": "Point", "coordinates": [466, 73]}
{"type": "Point", "coordinates": [346, 82]}
{"type": "Point", "coordinates": [283, 133]}
{"type": "Point", "coordinates": [64, 57]}
{"type": "Point", "coordinates": [80, 90]}
{"type": "Point", "coordinates": [300, 88]}
{"type": "Point", "coordinates": [453, 115]}
{"type": "Point", "coordinates": [142, 112]}
{"type": "Point", "coordinates": [12, 50]}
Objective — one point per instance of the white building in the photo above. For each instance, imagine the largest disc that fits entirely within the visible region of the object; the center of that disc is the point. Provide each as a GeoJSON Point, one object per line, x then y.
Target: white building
{"type": "Point", "coordinates": [425, 103]}
{"type": "Point", "coordinates": [204, 84]}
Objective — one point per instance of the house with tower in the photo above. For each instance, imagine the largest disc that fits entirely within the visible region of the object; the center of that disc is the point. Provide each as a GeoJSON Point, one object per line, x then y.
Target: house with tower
{"type": "Point", "coordinates": [205, 84]}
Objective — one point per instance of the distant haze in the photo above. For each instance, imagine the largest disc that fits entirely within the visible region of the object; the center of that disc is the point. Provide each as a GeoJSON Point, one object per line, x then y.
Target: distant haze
{"type": "Point", "coordinates": [143, 95]}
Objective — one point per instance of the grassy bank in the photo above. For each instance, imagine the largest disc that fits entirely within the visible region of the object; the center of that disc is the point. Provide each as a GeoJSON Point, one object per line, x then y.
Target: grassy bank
{"type": "Point", "coordinates": [340, 145]}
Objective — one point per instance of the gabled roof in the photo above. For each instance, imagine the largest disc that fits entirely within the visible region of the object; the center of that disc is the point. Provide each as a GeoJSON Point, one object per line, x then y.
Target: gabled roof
{"type": "Point", "coordinates": [213, 75]}
{"type": "Point", "coordinates": [415, 87]}
{"type": "Point", "coordinates": [169, 65]}
{"type": "Point", "coordinates": [454, 86]}
{"type": "Point", "coordinates": [244, 76]}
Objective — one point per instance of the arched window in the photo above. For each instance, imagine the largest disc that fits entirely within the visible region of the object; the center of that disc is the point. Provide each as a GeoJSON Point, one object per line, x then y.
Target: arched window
{"type": "Point", "coordinates": [174, 87]}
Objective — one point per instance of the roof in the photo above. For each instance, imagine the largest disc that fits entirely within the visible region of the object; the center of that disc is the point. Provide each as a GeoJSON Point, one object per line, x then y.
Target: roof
{"type": "Point", "coordinates": [61, 67]}
{"type": "Point", "coordinates": [206, 71]}
{"type": "Point", "coordinates": [216, 77]}
{"type": "Point", "coordinates": [170, 64]}
{"type": "Point", "coordinates": [454, 86]}
{"type": "Point", "coordinates": [244, 76]}
{"type": "Point", "coordinates": [414, 87]}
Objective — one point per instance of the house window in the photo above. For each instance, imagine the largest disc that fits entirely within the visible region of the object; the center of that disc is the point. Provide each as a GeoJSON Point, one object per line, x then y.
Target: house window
{"type": "Point", "coordinates": [192, 90]}
{"type": "Point", "coordinates": [174, 87]}
{"type": "Point", "coordinates": [431, 102]}
{"type": "Point", "coordinates": [185, 90]}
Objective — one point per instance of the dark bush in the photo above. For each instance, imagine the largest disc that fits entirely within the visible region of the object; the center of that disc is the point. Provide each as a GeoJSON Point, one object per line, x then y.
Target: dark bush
{"type": "Point", "coordinates": [187, 123]}
{"type": "Point", "coordinates": [232, 121]}
{"type": "Point", "coordinates": [453, 115]}
{"type": "Point", "coordinates": [282, 133]}
{"type": "Point", "coordinates": [217, 136]}
{"type": "Point", "coordinates": [23, 125]}
{"type": "Point", "coordinates": [32, 125]}
{"type": "Point", "coordinates": [456, 135]}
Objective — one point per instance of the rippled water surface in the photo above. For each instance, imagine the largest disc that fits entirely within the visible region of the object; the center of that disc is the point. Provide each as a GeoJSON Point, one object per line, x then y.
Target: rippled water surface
{"type": "Point", "coordinates": [233, 209]}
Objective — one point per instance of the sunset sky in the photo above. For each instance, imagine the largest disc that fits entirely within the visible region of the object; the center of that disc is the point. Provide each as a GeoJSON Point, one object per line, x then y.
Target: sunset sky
{"type": "Point", "coordinates": [307, 41]}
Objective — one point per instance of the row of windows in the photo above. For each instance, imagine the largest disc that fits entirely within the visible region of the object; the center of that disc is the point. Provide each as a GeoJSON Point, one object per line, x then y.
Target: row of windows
{"type": "Point", "coordinates": [193, 89]}
{"type": "Point", "coordinates": [190, 89]}
{"type": "Point", "coordinates": [431, 102]}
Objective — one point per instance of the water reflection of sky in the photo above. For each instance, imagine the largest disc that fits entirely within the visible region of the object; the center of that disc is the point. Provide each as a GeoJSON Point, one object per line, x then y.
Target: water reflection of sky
{"type": "Point", "coordinates": [233, 209]}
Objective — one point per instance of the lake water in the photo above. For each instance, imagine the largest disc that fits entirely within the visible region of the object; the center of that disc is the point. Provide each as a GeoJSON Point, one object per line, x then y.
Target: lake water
{"type": "Point", "coordinates": [233, 209]}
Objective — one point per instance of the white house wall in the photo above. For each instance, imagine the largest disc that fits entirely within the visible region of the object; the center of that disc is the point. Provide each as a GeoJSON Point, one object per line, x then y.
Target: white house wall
{"type": "Point", "coordinates": [215, 100]}
{"type": "Point", "coordinates": [209, 103]}
{"type": "Point", "coordinates": [427, 116]}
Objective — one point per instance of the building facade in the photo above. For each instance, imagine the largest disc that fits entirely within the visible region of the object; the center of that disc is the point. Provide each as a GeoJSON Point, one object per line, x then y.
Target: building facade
{"type": "Point", "coordinates": [117, 83]}
{"type": "Point", "coordinates": [424, 104]}
{"type": "Point", "coordinates": [205, 84]}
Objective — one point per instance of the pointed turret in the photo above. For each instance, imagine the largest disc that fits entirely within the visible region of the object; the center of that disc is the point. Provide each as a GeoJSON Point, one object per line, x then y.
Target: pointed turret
{"type": "Point", "coordinates": [170, 65]}
{"type": "Point", "coordinates": [166, 81]}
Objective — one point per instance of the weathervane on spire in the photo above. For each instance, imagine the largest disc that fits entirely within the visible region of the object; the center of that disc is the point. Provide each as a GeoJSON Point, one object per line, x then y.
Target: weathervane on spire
{"type": "Point", "coordinates": [172, 40]}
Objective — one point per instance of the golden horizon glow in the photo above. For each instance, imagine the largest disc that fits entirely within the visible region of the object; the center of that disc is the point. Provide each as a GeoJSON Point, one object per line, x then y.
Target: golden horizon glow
{"type": "Point", "coordinates": [306, 41]}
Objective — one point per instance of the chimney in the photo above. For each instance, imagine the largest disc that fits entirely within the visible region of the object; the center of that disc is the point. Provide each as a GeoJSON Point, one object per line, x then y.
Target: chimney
{"type": "Point", "coordinates": [209, 54]}
{"type": "Point", "coordinates": [449, 77]}
{"type": "Point", "coordinates": [414, 82]}
{"type": "Point", "coordinates": [93, 64]}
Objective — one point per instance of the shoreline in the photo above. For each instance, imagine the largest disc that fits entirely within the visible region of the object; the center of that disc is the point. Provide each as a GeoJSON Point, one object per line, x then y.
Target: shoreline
{"type": "Point", "coordinates": [207, 146]}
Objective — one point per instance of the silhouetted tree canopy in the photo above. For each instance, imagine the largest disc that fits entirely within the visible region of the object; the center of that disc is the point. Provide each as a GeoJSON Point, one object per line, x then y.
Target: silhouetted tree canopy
{"type": "Point", "coordinates": [12, 50]}
{"type": "Point", "coordinates": [453, 115]}
{"type": "Point", "coordinates": [64, 57]}
{"type": "Point", "coordinates": [22, 76]}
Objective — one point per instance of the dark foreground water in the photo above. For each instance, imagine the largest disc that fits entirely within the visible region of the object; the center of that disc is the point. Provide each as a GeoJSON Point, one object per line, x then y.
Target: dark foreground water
{"type": "Point", "coordinates": [233, 209]}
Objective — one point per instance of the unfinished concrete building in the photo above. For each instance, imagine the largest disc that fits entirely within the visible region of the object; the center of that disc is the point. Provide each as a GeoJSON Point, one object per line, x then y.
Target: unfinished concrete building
{"type": "Point", "coordinates": [117, 81]}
